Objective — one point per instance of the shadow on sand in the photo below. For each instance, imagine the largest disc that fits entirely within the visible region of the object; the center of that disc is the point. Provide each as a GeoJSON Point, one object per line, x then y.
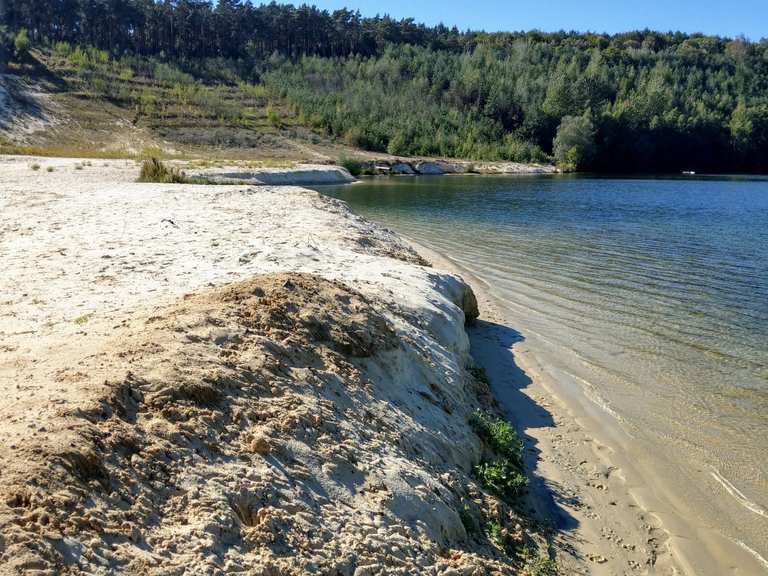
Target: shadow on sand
{"type": "Point", "coordinates": [492, 348]}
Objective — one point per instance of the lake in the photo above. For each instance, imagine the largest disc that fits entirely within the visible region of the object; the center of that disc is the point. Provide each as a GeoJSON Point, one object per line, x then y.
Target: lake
{"type": "Point", "coordinates": [646, 297]}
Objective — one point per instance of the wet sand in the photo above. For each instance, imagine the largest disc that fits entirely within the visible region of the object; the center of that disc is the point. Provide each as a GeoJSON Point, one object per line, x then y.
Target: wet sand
{"type": "Point", "coordinates": [592, 483]}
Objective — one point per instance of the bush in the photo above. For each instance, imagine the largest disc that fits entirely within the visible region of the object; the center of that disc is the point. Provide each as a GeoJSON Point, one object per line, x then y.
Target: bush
{"type": "Point", "coordinates": [541, 566]}
{"type": "Point", "coordinates": [353, 166]}
{"type": "Point", "coordinates": [504, 475]}
{"type": "Point", "coordinates": [171, 75]}
{"type": "Point", "coordinates": [500, 436]}
{"type": "Point", "coordinates": [536, 565]}
{"type": "Point", "coordinates": [273, 116]}
{"type": "Point", "coordinates": [574, 145]}
{"type": "Point", "coordinates": [496, 534]}
{"type": "Point", "coordinates": [62, 49]}
{"type": "Point", "coordinates": [502, 478]}
{"type": "Point", "coordinates": [153, 170]}
{"type": "Point", "coordinates": [21, 43]}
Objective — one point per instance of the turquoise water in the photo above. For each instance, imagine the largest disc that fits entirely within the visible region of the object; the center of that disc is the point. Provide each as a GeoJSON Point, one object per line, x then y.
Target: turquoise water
{"type": "Point", "coordinates": [648, 296]}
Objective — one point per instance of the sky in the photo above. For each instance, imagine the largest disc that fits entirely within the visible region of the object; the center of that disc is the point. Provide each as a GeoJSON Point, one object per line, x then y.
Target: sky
{"type": "Point", "coordinates": [721, 17]}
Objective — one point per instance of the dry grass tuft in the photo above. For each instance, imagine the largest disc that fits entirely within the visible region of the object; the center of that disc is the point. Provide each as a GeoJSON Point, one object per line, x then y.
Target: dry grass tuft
{"type": "Point", "coordinates": [153, 170]}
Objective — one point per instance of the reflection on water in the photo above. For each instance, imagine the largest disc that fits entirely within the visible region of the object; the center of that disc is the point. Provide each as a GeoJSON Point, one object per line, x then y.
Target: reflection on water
{"type": "Point", "coordinates": [650, 294]}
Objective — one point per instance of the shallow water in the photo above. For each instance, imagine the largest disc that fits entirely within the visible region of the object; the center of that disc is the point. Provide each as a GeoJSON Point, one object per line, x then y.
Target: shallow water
{"type": "Point", "coordinates": [648, 297]}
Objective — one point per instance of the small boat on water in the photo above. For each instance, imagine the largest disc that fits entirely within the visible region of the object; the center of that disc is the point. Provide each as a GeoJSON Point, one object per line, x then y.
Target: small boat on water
{"type": "Point", "coordinates": [689, 173]}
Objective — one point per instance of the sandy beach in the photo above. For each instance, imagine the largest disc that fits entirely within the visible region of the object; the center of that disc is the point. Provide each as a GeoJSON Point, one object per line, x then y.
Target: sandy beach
{"type": "Point", "coordinates": [256, 380]}
{"type": "Point", "coordinates": [229, 379]}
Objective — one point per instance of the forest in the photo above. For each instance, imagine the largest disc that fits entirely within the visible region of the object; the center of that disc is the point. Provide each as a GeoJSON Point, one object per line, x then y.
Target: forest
{"type": "Point", "coordinates": [640, 101]}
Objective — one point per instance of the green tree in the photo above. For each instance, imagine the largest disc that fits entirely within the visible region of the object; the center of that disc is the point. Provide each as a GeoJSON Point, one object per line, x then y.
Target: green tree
{"type": "Point", "coordinates": [574, 145]}
{"type": "Point", "coordinates": [21, 43]}
{"type": "Point", "coordinates": [749, 134]}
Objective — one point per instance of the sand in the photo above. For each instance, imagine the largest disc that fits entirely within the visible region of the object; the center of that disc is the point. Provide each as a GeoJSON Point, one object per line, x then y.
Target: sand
{"type": "Point", "coordinates": [231, 379]}
{"type": "Point", "coordinates": [236, 379]}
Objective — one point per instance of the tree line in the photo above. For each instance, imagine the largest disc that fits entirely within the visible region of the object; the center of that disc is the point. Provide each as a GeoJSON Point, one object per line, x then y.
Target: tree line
{"type": "Point", "coordinates": [229, 28]}
{"type": "Point", "coordinates": [638, 101]}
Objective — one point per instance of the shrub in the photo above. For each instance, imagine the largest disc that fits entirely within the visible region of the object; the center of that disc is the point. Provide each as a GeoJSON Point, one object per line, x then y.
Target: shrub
{"type": "Point", "coordinates": [499, 435]}
{"type": "Point", "coordinates": [541, 566]}
{"type": "Point", "coordinates": [504, 475]}
{"type": "Point", "coordinates": [353, 165]}
{"type": "Point", "coordinates": [536, 565]}
{"type": "Point", "coordinates": [273, 116]}
{"type": "Point", "coordinates": [50, 169]}
{"type": "Point", "coordinates": [518, 150]}
{"type": "Point", "coordinates": [496, 534]}
{"type": "Point", "coordinates": [62, 49]}
{"type": "Point", "coordinates": [168, 74]}
{"type": "Point", "coordinates": [254, 91]}
{"type": "Point", "coordinates": [153, 170]}
{"type": "Point", "coordinates": [21, 43]}
{"type": "Point", "coordinates": [35, 166]}
{"type": "Point", "coordinates": [502, 478]}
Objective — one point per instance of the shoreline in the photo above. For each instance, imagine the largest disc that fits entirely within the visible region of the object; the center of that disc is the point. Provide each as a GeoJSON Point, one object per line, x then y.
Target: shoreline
{"type": "Point", "coordinates": [584, 493]}
{"type": "Point", "coordinates": [586, 537]}
{"type": "Point", "coordinates": [678, 545]}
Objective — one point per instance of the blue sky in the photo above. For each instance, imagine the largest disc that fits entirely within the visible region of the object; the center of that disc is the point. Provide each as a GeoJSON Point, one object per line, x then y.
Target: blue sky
{"type": "Point", "coordinates": [723, 17]}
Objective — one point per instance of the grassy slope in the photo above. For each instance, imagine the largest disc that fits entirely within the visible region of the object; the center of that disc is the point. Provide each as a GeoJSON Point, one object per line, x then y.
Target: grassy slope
{"type": "Point", "coordinates": [110, 110]}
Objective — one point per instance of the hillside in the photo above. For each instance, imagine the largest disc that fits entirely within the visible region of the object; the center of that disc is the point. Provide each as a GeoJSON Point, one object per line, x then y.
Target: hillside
{"type": "Point", "coordinates": [301, 81]}
{"type": "Point", "coordinates": [80, 102]}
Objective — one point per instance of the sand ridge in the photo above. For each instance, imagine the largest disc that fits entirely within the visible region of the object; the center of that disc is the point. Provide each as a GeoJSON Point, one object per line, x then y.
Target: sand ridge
{"type": "Point", "coordinates": [228, 379]}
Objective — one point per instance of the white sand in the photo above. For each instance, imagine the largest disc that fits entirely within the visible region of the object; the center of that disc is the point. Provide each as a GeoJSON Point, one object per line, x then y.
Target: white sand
{"type": "Point", "coordinates": [145, 431]}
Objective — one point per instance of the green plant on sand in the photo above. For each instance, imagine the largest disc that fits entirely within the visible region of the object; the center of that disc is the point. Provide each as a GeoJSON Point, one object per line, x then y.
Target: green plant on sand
{"type": "Point", "coordinates": [499, 435]}
{"type": "Point", "coordinates": [153, 170]}
{"type": "Point", "coordinates": [503, 475]}
{"type": "Point", "coordinates": [536, 565]}
{"type": "Point", "coordinates": [496, 534]}
{"type": "Point", "coordinates": [501, 478]}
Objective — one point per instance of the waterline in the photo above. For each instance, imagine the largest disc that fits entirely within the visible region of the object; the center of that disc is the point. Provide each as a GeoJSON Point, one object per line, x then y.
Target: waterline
{"type": "Point", "coordinates": [648, 297]}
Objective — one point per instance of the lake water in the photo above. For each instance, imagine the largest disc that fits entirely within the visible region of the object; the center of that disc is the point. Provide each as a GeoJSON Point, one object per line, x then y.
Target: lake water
{"type": "Point", "coordinates": [648, 297]}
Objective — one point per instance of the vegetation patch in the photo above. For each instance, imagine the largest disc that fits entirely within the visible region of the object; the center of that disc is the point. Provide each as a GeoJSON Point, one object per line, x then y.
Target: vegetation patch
{"type": "Point", "coordinates": [154, 170]}
{"type": "Point", "coordinates": [535, 564]}
{"type": "Point", "coordinates": [352, 165]}
{"type": "Point", "coordinates": [502, 474]}
{"type": "Point", "coordinates": [80, 320]}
